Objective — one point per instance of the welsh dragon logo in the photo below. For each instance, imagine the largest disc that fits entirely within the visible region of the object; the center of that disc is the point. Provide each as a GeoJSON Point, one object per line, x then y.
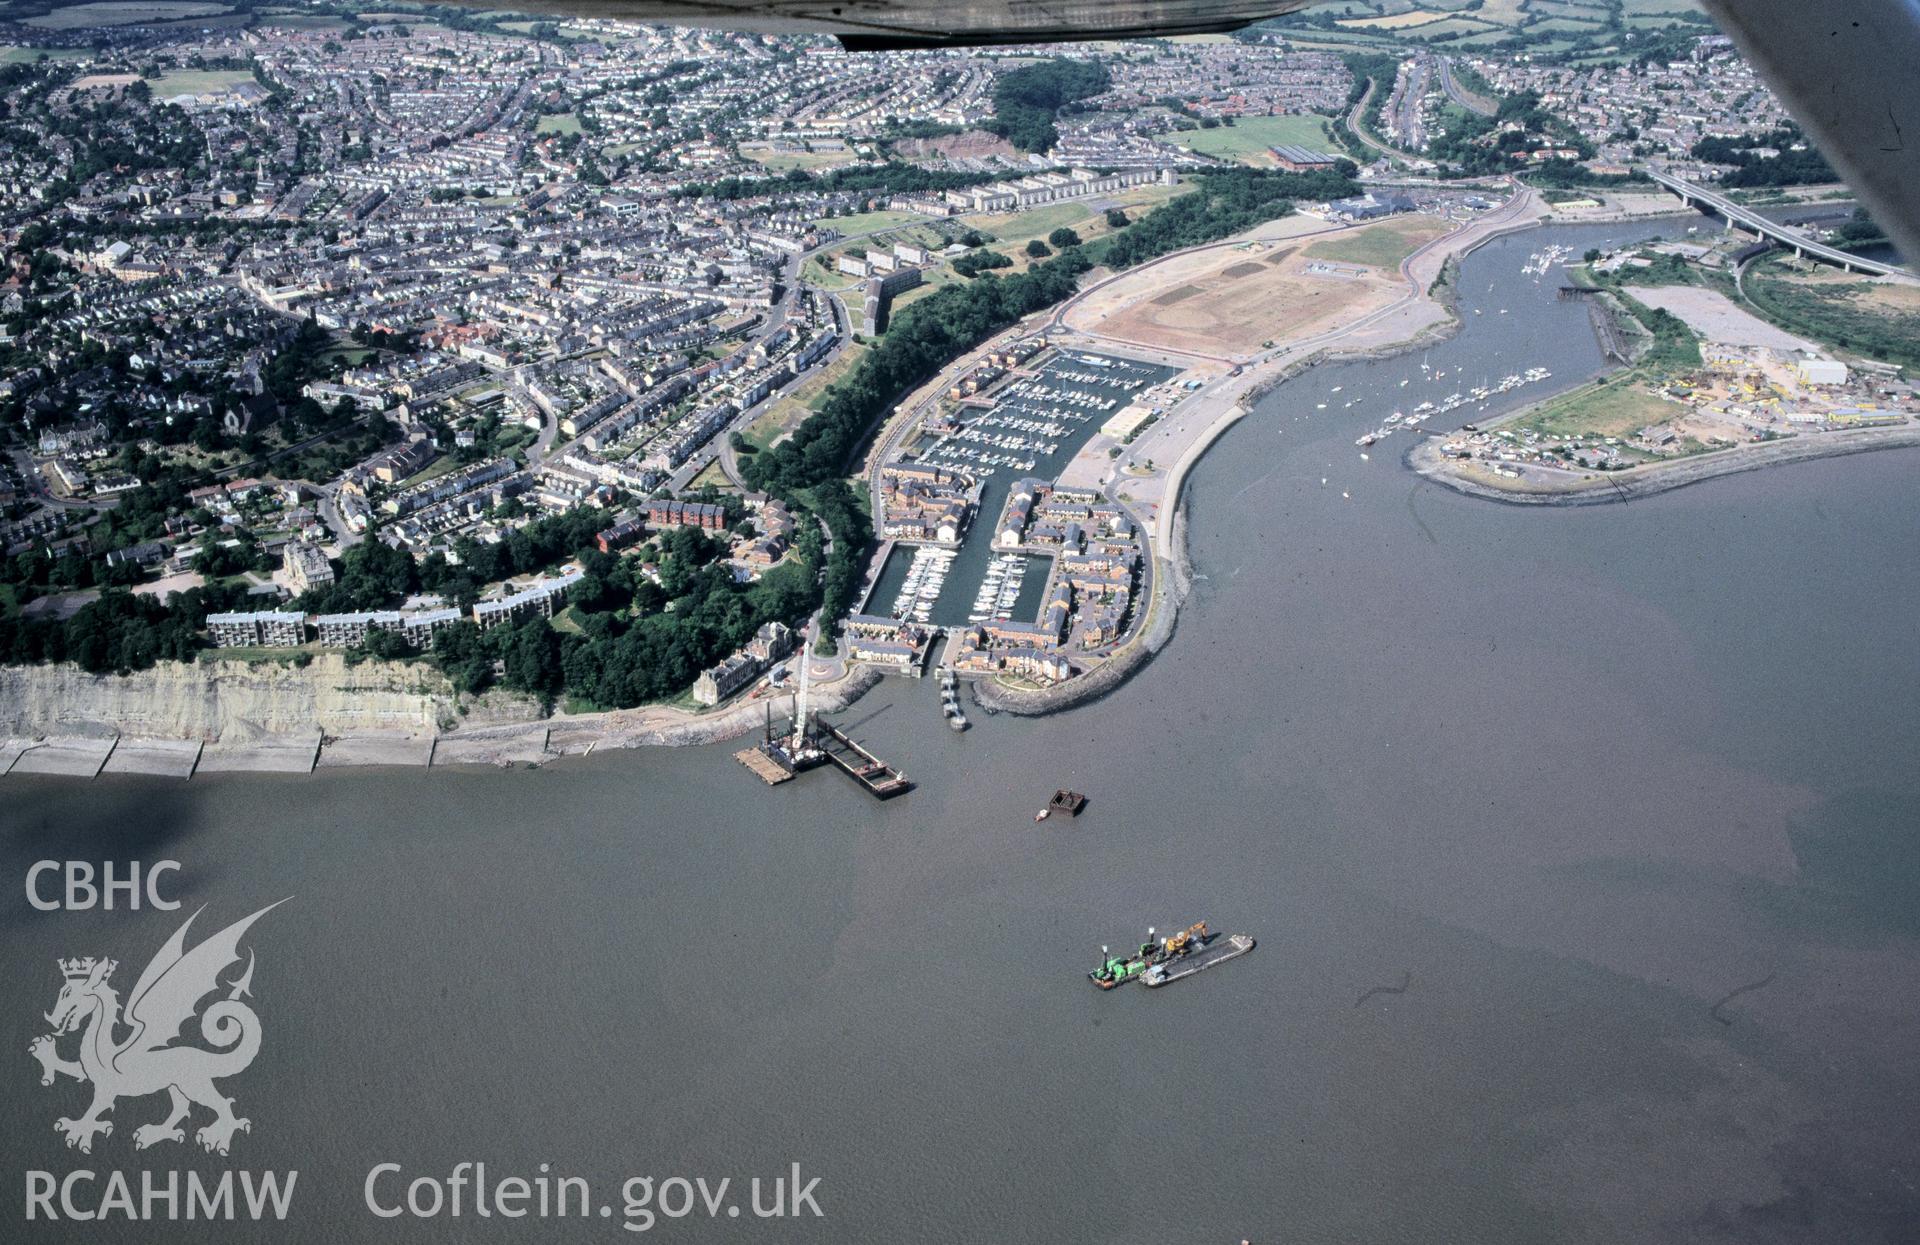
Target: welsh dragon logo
{"type": "Point", "coordinates": [135, 1056]}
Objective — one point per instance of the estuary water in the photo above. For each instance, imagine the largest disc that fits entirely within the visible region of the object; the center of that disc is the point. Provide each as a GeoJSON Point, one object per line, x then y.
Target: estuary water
{"type": "Point", "coordinates": [1580, 845]}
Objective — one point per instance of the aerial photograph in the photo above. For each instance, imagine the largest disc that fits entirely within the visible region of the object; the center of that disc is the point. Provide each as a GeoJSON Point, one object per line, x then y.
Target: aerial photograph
{"type": "Point", "coordinates": [668, 618]}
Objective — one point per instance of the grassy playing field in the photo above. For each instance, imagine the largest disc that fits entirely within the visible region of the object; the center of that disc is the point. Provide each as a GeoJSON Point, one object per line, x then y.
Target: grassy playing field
{"type": "Point", "coordinates": [558, 123]}
{"type": "Point", "coordinates": [1618, 407]}
{"type": "Point", "coordinates": [1248, 138]}
{"type": "Point", "coordinates": [1383, 245]}
{"type": "Point", "coordinates": [194, 81]}
{"type": "Point", "coordinates": [26, 56]}
{"type": "Point", "coordinates": [781, 161]}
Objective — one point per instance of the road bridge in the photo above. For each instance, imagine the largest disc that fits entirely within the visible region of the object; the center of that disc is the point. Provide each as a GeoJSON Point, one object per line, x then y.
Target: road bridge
{"type": "Point", "coordinates": [1747, 218]}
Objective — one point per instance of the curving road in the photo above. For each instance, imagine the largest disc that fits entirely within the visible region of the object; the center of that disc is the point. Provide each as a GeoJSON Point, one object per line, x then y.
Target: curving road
{"type": "Point", "coordinates": [1469, 100]}
{"type": "Point", "coordinates": [1734, 214]}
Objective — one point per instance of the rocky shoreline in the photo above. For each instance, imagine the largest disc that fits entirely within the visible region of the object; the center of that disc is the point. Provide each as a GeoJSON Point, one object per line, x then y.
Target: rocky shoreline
{"type": "Point", "coordinates": [430, 730]}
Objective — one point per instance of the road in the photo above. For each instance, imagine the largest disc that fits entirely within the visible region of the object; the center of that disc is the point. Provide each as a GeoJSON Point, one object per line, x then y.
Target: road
{"type": "Point", "coordinates": [1469, 100]}
{"type": "Point", "coordinates": [1734, 214]}
{"type": "Point", "coordinates": [1354, 127]}
{"type": "Point", "coordinates": [1406, 126]}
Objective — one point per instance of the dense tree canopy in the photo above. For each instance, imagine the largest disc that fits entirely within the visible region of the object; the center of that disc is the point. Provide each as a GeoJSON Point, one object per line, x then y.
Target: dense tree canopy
{"type": "Point", "coordinates": [1790, 167]}
{"type": "Point", "coordinates": [1026, 100]}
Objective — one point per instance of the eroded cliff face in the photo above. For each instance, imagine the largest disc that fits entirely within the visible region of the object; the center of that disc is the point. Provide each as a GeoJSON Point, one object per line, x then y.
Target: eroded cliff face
{"type": "Point", "coordinates": [235, 701]}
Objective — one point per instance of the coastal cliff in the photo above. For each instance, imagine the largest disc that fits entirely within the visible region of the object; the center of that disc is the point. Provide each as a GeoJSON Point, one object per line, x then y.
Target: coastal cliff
{"type": "Point", "coordinates": [245, 701]}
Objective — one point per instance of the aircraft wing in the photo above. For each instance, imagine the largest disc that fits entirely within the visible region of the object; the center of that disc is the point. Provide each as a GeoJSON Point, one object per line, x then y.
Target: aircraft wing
{"type": "Point", "coordinates": [1846, 70]}
{"type": "Point", "coordinates": [872, 25]}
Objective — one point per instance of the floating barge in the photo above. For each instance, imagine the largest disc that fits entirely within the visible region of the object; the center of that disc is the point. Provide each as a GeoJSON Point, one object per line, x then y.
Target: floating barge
{"type": "Point", "coordinates": [809, 742]}
{"type": "Point", "coordinates": [1068, 803]}
{"type": "Point", "coordinates": [780, 758]}
{"type": "Point", "coordinates": [1168, 959]}
{"type": "Point", "coordinates": [1229, 948]}
{"type": "Point", "coordinates": [764, 765]}
{"type": "Point", "coordinates": [881, 780]}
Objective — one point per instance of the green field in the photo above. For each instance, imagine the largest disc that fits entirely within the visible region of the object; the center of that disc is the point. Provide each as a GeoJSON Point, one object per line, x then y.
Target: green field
{"type": "Point", "coordinates": [124, 13]}
{"type": "Point", "coordinates": [303, 21]}
{"type": "Point", "coordinates": [1381, 246]}
{"type": "Point", "coordinates": [558, 123]}
{"type": "Point", "coordinates": [868, 222]}
{"type": "Point", "coordinates": [195, 81]}
{"type": "Point", "coordinates": [1248, 138]}
{"type": "Point", "coordinates": [782, 161]}
{"type": "Point", "coordinates": [1618, 407]}
{"type": "Point", "coordinates": [27, 56]}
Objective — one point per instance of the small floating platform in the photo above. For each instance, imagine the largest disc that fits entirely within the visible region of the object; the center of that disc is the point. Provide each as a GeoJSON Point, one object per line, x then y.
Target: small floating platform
{"type": "Point", "coordinates": [1068, 802]}
{"type": "Point", "coordinates": [764, 766]}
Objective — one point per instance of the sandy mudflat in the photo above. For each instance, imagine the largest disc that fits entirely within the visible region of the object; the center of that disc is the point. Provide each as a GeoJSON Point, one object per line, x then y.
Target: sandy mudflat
{"type": "Point", "coordinates": [491, 750]}
{"type": "Point", "coordinates": [277, 755]}
{"type": "Point", "coordinates": [377, 750]}
{"type": "Point", "coordinates": [73, 756]}
{"type": "Point", "coordinates": [168, 758]}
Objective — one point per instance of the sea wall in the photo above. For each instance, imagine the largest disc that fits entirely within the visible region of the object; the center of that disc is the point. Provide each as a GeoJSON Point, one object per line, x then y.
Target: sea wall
{"type": "Point", "coordinates": [235, 701]}
{"type": "Point", "coordinates": [1173, 580]}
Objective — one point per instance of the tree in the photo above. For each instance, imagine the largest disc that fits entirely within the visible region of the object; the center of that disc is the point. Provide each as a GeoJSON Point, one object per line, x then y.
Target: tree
{"type": "Point", "coordinates": [1026, 101]}
{"type": "Point", "coordinates": [1063, 238]}
{"type": "Point", "coordinates": [1036, 249]}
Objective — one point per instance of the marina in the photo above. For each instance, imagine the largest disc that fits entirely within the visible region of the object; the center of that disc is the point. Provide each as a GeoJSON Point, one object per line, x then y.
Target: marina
{"type": "Point", "coordinates": [1530, 997]}
{"type": "Point", "coordinates": [1030, 426]}
{"type": "Point", "coordinates": [1479, 396]}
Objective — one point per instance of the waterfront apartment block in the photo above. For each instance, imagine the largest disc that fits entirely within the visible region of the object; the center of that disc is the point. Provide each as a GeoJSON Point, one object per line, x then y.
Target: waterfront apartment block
{"type": "Point", "coordinates": [1038, 515]}
{"type": "Point", "coordinates": [926, 504]}
{"type": "Point", "coordinates": [883, 641]}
